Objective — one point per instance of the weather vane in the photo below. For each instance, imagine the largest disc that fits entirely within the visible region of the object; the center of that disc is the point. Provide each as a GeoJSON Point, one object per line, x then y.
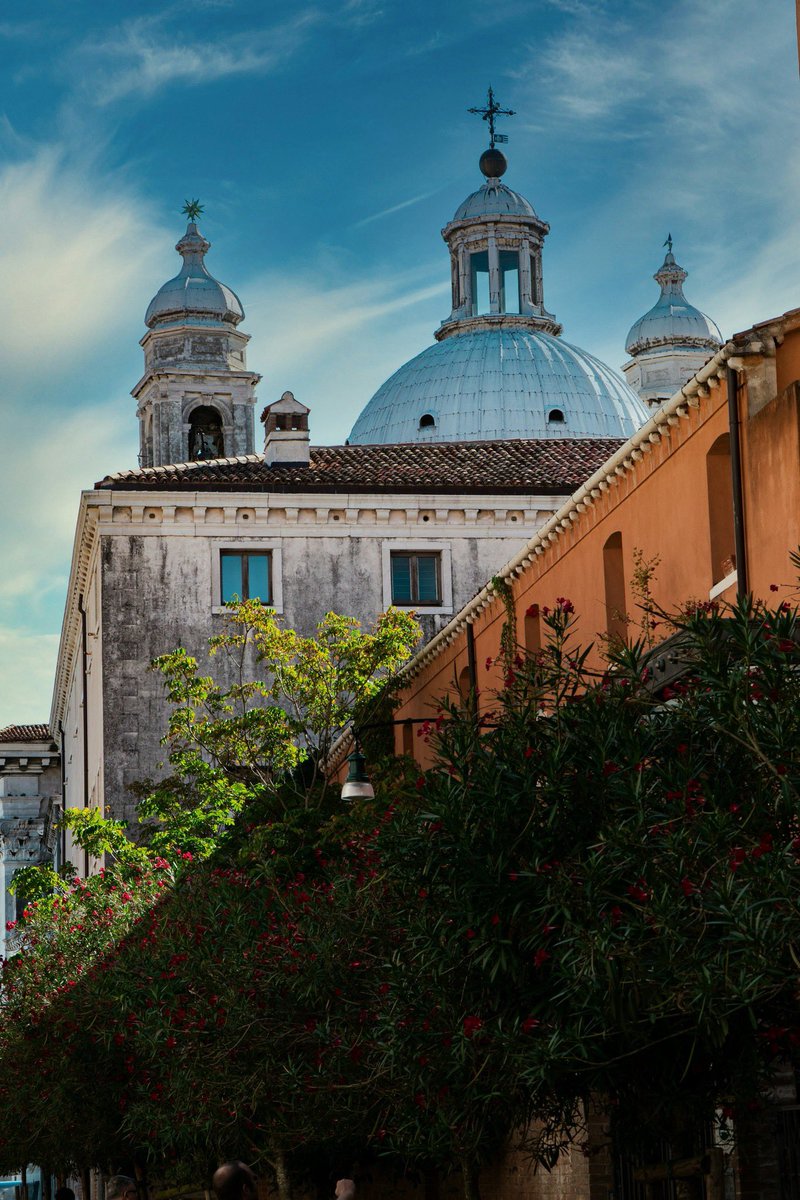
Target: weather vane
{"type": "Point", "coordinates": [489, 113]}
{"type": "Point", "coordinates": [193, 209]}
{"type": "Point", "coordinates": [668, 243]}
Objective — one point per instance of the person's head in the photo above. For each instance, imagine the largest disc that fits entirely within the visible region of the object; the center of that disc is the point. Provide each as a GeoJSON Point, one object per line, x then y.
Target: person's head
{"type": "Point", "coordinates": [64, 1193]}
{"type": "Point", "coordinates": [234, 1181]}
{"type": "Point", "coordinates": [121, 1187]}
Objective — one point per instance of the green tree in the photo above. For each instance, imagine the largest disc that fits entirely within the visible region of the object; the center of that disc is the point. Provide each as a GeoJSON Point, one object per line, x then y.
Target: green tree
{"type": "Point", "coordinates": [90, 955]}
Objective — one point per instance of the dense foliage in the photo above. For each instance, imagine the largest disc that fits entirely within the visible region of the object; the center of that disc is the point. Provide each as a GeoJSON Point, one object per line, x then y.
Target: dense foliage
{"type": "Point", "coordinates": [594, 890]}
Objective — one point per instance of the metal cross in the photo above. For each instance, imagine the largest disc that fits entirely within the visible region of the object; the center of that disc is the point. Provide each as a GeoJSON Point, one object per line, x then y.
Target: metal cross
{"type": "Point", "coordinates": [668, 243]}
{"type": "Point", "coordinates": [193, 209]}
{"type": "Point", "coordinates": [489, 113]}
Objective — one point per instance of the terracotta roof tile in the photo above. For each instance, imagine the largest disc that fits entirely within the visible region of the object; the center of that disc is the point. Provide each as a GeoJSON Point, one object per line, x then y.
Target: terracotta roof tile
{"type": "Point", "coordinates": [26, 733]}
{"type": "Point", "coordinates": [546, 465]}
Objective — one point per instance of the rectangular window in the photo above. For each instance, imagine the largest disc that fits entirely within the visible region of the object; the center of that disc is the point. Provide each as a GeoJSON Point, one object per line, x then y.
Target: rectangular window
{"type": "Point", "coordinates": [416, 578]}
{"type": "Point", "coordinates": [245, 575]}
{"type": "Point", "coordinates": [479, 264]}
{"type": "Point", "coordinates": [509, 281]}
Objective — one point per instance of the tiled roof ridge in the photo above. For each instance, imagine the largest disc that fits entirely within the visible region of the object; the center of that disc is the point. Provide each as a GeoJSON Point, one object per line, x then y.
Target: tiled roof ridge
{"type": "Point", "coordinates": [26, 733]}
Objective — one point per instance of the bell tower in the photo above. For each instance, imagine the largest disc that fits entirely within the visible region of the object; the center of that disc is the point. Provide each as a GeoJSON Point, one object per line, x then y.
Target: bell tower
{"type": "Point", "coordinates": [196, 398]}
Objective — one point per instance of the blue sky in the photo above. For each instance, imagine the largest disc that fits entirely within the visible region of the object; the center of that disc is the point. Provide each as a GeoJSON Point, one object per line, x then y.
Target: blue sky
{"type": "Point", "coordinates": [329, 143]}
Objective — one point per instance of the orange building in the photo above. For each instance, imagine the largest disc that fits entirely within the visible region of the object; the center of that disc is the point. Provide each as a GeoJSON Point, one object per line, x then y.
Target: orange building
{"type": "Point", "coordinates": [709, 487]}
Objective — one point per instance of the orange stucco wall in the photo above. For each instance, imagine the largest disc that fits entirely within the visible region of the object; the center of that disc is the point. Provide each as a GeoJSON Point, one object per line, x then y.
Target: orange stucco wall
{"type": "Point", "coordinates": [659, 506]}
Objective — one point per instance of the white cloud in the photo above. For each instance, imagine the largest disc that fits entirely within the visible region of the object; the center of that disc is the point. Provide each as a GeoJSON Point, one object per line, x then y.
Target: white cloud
{"type": "Point", "coordinates": [76, 262]}
{"type": "Point", "coordinates": [144, 55]}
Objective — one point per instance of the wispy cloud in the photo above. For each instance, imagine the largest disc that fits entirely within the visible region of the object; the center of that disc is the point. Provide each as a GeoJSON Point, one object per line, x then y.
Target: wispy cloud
{"type": "Point", "coordinates": [147, 54]}
{"type": "Point", "coordinates": [334, 344]}
{"type": "Point", "coordinates": [76, 257]}
{"type": "Point", "coordinates": [387, 212]}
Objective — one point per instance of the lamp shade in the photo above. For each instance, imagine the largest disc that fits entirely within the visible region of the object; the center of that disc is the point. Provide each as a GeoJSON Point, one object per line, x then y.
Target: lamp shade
{"type": "Point", "coordinates": [357, 786]}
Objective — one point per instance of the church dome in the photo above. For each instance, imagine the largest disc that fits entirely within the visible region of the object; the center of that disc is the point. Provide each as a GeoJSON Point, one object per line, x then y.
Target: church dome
{"type": "Point", "coordinates": [494, 199]}
{"type": "Point", "coordinates": [500, 383]}
{"type": "Point", "coordinates": [194, 293]}
{"type": "Point", "coordinates": [672, 321]}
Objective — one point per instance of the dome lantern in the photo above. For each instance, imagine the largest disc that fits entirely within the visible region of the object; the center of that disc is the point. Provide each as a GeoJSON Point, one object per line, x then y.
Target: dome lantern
{"type": "Point", "coordinates": [672, 340]}
{"type": "Point", "coordinates": [498, 368]}
{"type": "Point", "coordinates": [495, 240]}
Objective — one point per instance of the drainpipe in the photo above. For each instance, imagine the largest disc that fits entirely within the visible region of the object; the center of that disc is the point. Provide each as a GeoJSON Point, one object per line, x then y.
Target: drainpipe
{"type": "Point", "coordinates": [740, 546]}
{"type": "Point", "coordinates": [85, 664]}
{"type": "Point", "coordinates": [473, 673]}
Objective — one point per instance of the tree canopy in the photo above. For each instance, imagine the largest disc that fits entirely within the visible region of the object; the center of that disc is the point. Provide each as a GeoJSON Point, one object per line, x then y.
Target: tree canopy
{"type": "Point", "coordinates": [594, 890]}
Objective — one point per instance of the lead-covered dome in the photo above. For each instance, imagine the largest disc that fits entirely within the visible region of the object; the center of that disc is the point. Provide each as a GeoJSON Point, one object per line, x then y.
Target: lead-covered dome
{"type": "Point", "coordinates": [672, 321]}
{"type": "Point", "coordinates": [194, 294]}
{"type": "Point", "coordinates": [500, 383]}
{"type": "Point", "coordinates": [494, 199]}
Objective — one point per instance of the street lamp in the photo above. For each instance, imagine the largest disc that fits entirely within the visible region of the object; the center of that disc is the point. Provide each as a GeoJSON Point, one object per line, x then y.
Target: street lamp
{"type": "Point", "coordinates": [357, 786]}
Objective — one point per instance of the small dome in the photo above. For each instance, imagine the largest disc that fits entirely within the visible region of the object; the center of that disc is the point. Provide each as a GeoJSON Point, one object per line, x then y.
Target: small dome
{"type": "Point", "coordinates": [500, 383]}
{"type": "Point", "coordinates": [672, 321]}
{"type": "Point", "coordinates": [194, 292]}
{"type": "Point", "coordinates": [493, 199]}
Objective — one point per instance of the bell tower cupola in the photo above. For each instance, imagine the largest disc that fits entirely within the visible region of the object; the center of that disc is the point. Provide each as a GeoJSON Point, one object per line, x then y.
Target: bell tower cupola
{"type": "Point", "coordinates": [196, 398]}
{"type": "Point", "coordinates": [671, 341]}
{"type": "Point", "coordinates": [495, 240]}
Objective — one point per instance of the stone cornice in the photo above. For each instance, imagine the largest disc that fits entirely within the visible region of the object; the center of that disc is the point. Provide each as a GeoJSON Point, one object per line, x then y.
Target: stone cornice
{"type": "Point", "coordinates": [198, 371]}
{"type": "Point", "coordinates": [86, 537]}
{"type": "Point", "coordinates": [527, 321]}
{"type": "Point", "coordinates": [309, 514]}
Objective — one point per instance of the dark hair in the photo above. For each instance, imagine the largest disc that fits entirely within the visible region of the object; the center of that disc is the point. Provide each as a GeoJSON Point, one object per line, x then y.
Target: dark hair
{"type": "Point", "coordinates": [64, 1193]}
{"type": "Point", "coordinates": [231, 1179]}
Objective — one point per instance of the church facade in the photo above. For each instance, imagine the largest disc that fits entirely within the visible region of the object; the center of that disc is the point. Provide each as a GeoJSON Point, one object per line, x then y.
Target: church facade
{"type": "Point", "coordinates": [456, 461]}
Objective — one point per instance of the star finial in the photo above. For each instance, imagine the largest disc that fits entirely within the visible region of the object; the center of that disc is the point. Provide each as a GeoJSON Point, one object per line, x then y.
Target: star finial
{"type": "Point", "coordinates": [193, 209]}
{"type": "Point", "coordinates": [668, 243]}
{"type": "Point", "coordinates": [489, 113]}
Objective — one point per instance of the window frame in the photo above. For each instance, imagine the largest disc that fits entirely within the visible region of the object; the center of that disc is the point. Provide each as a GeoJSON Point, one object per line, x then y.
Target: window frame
{"type": "Point", "coordinates": [269, 546]}
{"type": "Point", "coordinates": [444, 574]}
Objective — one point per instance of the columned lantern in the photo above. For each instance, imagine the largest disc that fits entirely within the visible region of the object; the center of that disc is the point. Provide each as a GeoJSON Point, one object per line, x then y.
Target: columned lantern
{"type": "Point", "coordinates": [495, 240]}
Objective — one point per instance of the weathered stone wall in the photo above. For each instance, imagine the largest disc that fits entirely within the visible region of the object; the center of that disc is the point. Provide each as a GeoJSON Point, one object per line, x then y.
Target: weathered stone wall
{"type": "Point", "coordinates": [160, 589]}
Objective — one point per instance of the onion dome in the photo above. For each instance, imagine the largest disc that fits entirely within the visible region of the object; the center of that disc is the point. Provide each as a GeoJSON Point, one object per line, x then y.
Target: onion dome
{"type": "Point", "coordinates": [672, 321]}
{"type": "Point", "coordinates": [194, 295]}
{"type": "Point", "coordinates": [500, 383]}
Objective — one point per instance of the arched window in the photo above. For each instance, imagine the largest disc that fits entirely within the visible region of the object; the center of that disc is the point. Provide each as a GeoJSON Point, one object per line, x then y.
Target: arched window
{"type": "Point", "coordinates": [533, 629]}
{"type": "Point", "coordinates": [720, 508]}
{"type": "Point", "coordinates": [614, 580]}
{"type": "Point", "coordinates": [427, 421]}
{"type": "Point", "coordinates": [464, 683]}
{"type": "Point", "coordinates": [205, 434]}
{"type": "Point", "coordinates": [408, 738]}
{"type": "Point", "coordinates": [556, 415]}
